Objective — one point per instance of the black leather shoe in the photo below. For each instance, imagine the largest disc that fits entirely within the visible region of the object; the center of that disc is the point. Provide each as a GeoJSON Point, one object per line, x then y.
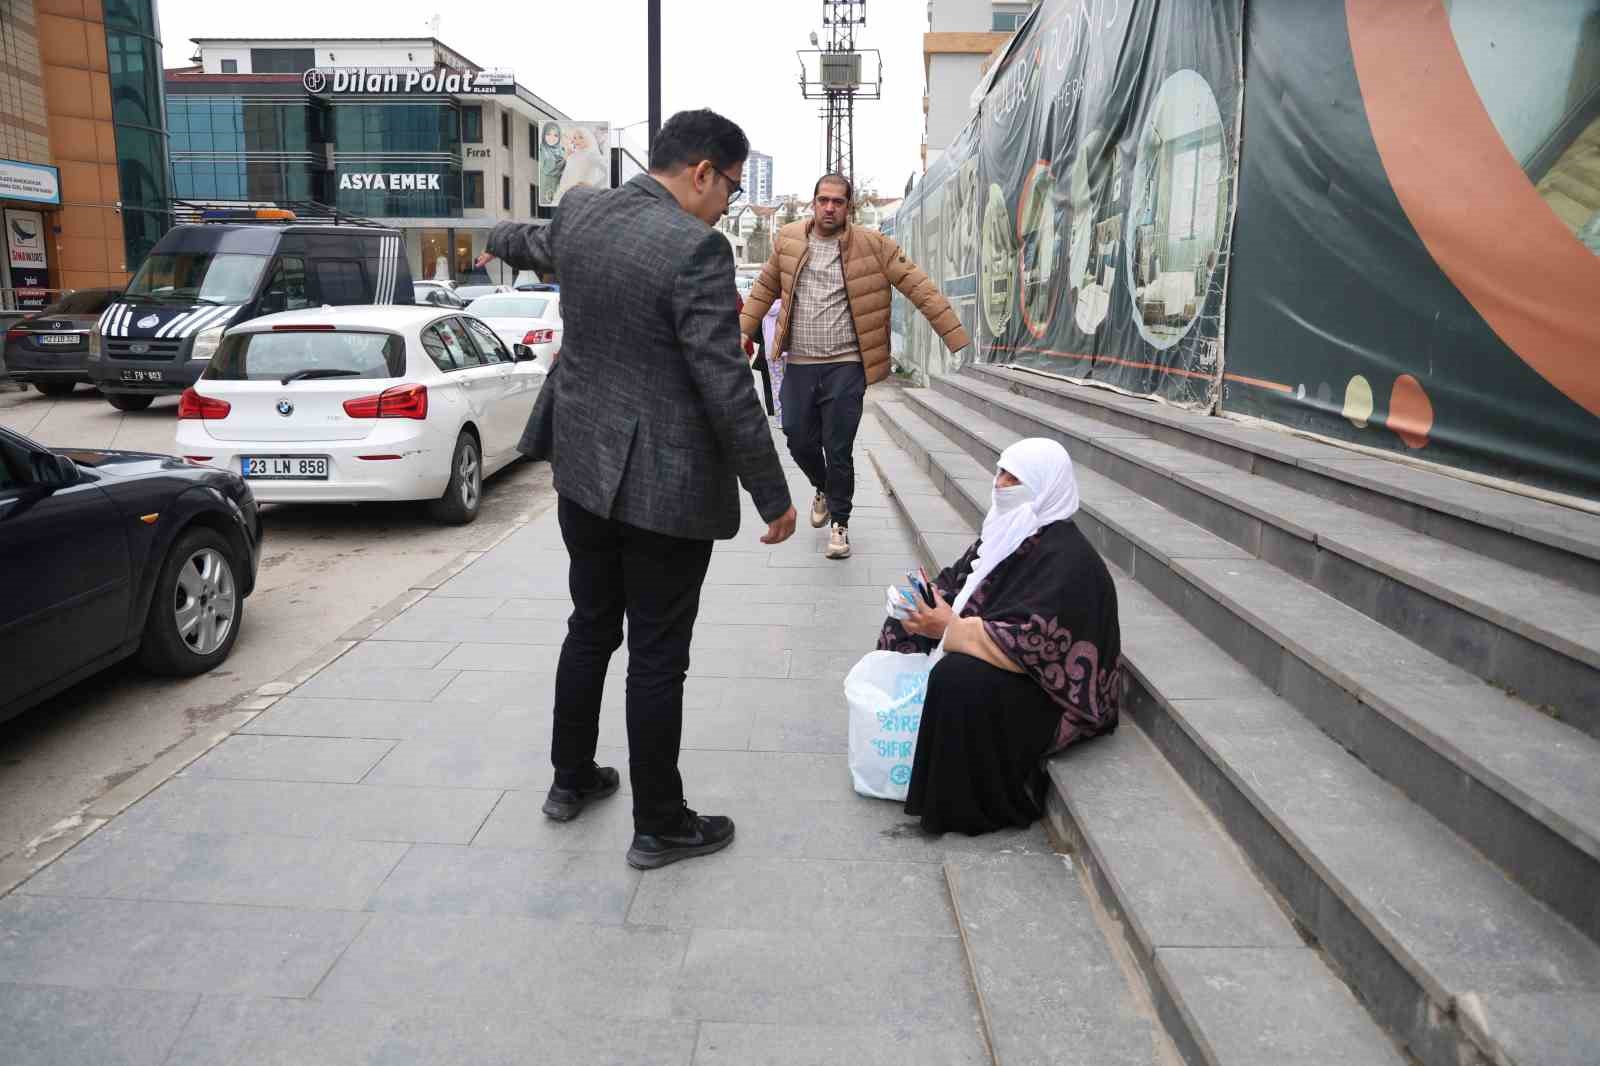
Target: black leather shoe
{"type": "Point", "coordinates": [700, 835]}
{"type": "Point", "coordinates": [565, 804]}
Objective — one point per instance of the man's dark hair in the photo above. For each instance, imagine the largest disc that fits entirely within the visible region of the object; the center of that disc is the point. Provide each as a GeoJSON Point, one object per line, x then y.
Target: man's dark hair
{"type": "Point", "coordinates": [690, 136]}
{"type": "Point", "coordinates": [836, 179]}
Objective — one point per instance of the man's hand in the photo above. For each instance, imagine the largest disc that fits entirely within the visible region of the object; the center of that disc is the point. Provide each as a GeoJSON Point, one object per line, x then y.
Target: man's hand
{"type": "Point", "coordinates": [930, 622]}
{"type": "Point", "coordinates": [781, 530]}
{"type": "Point", "coordinates": [482, 261]}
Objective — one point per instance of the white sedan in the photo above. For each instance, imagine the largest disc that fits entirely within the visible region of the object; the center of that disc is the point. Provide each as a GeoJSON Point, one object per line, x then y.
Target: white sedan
{"type": "Point", "coordinates": [531, 318]}
{"type": "Point", "coordinates": [351, 404]}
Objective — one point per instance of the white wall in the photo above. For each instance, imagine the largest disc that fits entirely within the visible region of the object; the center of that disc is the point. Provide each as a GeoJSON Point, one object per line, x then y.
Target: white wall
{"type": "Point", "coordinates": [346, 53]}
{"type": "Point", "coordinates": [951, 79]}
{"type": "Point", "coordinates": [962, 16]}
{"type": "Point", "coordinates": [1531, 62]}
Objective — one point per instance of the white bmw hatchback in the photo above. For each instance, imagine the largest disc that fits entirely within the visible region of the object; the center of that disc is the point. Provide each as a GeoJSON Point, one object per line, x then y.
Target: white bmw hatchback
{"type": "Point", "coordinates": [531, 318]}
{"type": "Point", "coordinates": [354, 404]}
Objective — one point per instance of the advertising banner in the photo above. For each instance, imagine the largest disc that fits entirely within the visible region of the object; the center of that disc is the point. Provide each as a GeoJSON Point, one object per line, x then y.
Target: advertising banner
{"type": "Point", "coordinates": [572, 154]}
{"type": "Point", "coordinates": [33, 182]}
{"type": "Point", "coordinates": [25, 251]}
{"type": "Point", "coordinates": [1418, 257]}
{"type": "Point", "coordinates": [1081, 222]}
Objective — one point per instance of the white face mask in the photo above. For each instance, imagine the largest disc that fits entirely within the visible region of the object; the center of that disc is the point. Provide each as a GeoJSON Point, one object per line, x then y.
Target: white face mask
{"type": "Point", "coordinates": [1011, 497]}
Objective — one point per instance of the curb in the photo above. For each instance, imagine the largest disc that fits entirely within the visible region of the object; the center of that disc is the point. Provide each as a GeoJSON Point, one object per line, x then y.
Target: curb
{"type": "Point", "coordinates": [75, 828]}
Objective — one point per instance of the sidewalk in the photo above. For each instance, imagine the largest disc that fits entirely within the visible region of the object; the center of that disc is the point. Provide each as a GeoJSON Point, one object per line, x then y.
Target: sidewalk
{"type": "Point", "coordinates": [363, 873]}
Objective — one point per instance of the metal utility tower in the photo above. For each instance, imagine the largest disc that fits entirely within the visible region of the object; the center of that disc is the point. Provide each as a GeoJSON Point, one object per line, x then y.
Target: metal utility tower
{"type": "Point", "coordinates": [838, 80]}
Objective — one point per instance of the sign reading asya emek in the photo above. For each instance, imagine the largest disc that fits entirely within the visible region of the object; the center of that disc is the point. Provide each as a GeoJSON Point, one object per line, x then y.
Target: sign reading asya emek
{"type": "Point", "coordinates": [337, 80]}
{"type": "Point", "coordinates": [391, 182]}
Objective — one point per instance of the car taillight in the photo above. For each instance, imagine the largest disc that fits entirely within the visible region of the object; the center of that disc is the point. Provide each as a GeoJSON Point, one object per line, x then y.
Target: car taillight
{"type": "Point", "coordinates": [402, 401]}
{"type": "Point", "coordinates": [539, 336]}
{"type": "Point", "coordinates": [193, 405]}
{"type": "Point", "coordinates": [16, 334]}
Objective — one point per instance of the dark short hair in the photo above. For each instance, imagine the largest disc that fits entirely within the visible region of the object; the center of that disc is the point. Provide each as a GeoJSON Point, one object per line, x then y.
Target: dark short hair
{"type": "Point", "coordinates": [691, 136]}
{"type": "Point", "coordinates": [837, 179]}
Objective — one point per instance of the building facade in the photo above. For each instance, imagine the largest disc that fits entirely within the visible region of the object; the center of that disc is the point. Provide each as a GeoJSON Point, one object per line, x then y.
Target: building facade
{"type": "Point", "coordinates": [84, 182]}
{"type": "Point", "coordinates": [403, 131]}
{"type": "Point", "coordinates": [757, 179]}
{"type": "Point", "coordinates": [961, 36]}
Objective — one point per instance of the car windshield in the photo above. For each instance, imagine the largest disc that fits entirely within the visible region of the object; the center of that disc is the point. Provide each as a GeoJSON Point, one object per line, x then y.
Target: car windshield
{"type": "Point", "coordinates": [468, 292]}
{"type": "Point", "coordinates": [506, 306]}
{"type": "Point", "coordinates": [204, 277]}
{"type": "Point", "coordinates": [276, 355]}
{"type": "Point", "coordinates": [86, 302]}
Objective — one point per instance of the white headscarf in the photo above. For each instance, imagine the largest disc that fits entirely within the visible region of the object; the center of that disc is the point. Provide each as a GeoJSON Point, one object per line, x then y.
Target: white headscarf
{"type": "Point", "coordinates": [1050, 495]}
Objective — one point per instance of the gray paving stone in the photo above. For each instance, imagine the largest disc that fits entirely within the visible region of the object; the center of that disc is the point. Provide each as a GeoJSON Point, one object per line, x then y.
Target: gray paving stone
{"type": "Point", "coordinates": [432, 606]}
{"type": "Point", "coordinates": [392, 719]}
{"type": "Point", "coordinates": [491, 761]}
{"type": "Point", "coordinates": [738, 975]}
{"type": "Point", "coordinates": [822, 726]}
{"type": "Point", "coordinates": [501, 688]}
{"type": "Point", "coordinates": [532, 610]}
{"type": "Point", "coordinates": [606, 827]}
{"type": "Point", "coordinates": [377, 683]}
{"type": "Point", "coordinates": [254, 870]}
{"type": "Point", "coordinates": [550, 885]}
{"type": "Point", "coordinates": [346, 812]}
{"type": "Point", "coordinates": [1557, 1028]}
{"type": "Point", "coordinates": [765, 894]}
{"type": "Point", "coordinates": [1042, 967]}
{"type": "Point", "coordinates": [279, 758]}
{"type": "Point", "coordinates": [502, 962]}
{"type": "Point", "coordinates": [268, 1032]}
{"type": "Point", "coordinates": [793, 776]}
{"type": "Point", "coordinates": [726, 1044]}
{"type": "Point", "coordinates": [378, 652]}
{"type": "Point", "coordinates": [506, 655]}
{"type": "Point", "coordinates": [44, 1026]}
{"type": "Point", "coordinates": [815, 664]}
{"type": "Point", "coordinates": [716, 598]}
{"type": "Point", "coordinates": [1273, 1007]}
{"type": "Point", "coordinates": [179, 947]}
{"type": "Point", "coordinates": [476, 631]}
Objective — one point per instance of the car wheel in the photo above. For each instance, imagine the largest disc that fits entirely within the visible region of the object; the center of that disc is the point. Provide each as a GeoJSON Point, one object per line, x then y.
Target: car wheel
{"type": "Point", "coordinates": [196, 611]}
{"type": "Point", "coordinates": [459, 504]}
{"type": "Point", "coordinates": [56, 388]}
{"type": "Point", "coordinates": [124, 401]}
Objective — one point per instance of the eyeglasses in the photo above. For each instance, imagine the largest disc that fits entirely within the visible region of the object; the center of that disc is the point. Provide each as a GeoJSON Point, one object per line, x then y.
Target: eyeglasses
{"type": "Point", "coordinates": [735, 189]}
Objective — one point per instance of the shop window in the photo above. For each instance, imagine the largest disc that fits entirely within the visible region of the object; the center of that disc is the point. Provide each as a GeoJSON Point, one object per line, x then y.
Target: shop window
{"type": "Point", "coordinates": [435, 244]}
{"type": "Point", "coordinates": [282, 60]}
{"type": "Point", "coordinates": [505, 193]}
{"type": "Point", "coordinates": [472, 188]}
{"type": "Point", "coordinates": [464, 254]}
{"type": "Point", "coordinates": [472, 125]}
{"type": "Point", "coordinates": [230, 66]}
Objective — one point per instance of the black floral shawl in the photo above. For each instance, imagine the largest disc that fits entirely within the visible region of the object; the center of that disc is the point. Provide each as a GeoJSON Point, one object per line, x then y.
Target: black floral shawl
{"type": "Point", "coordinates": [1052, 608]}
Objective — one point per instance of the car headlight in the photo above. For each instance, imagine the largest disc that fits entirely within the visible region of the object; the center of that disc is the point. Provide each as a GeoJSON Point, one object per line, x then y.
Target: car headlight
{"type": "Point", "coordinates": [94, 342]}
{"type": "Point", "coordinates": [206, 343]}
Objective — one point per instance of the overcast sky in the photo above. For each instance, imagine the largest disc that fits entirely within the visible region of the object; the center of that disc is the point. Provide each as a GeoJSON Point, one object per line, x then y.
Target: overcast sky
{"type": "Point", "coordinates": [587, 58]}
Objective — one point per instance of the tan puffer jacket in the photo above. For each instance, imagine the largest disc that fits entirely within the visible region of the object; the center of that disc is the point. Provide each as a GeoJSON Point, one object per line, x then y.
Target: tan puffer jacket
{"type": "Point", "coordinates": [872, 262]}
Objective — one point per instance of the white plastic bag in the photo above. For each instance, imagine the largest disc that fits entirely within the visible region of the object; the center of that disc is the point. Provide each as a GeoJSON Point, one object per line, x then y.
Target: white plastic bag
{"type": "Point", "coordinates": [885, 692]}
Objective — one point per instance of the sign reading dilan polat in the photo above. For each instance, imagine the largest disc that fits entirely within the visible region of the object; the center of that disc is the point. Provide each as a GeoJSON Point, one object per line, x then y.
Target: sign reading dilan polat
{"type": "Point", "coordinates": [351, 80]}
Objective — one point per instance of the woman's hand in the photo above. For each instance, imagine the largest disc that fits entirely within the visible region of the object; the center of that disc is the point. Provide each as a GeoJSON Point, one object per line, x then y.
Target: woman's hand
{"type": "Point", "coordinates": [930, 622]}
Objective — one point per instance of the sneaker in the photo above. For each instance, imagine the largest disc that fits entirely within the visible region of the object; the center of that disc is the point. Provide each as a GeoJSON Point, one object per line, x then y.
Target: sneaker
{"type": "Point", "coordinates": [699, 835]}
{"type": "Point", "coordinates": [838, 543]}
{"type": "Point", "coordinates": [819, 511]}
{"type": "Point", "coordinates": [565, 804]}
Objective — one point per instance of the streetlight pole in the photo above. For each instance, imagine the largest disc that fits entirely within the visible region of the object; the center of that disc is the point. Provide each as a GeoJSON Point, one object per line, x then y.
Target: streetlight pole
{"type": "Point", "coordinates": [653, 49]}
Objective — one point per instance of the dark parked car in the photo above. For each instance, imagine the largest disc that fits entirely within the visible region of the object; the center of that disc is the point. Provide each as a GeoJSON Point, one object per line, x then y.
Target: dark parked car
{"type": "Point", "coordinates": [48, 349]}
{"type": "Point", "coordinates": [105, 554]}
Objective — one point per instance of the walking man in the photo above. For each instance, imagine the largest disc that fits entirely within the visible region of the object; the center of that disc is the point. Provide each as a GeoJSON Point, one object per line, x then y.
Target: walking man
{"type": "Point", "coordinates": [650, 425]}
{"type": "Point", "coordinates": [834, 281]}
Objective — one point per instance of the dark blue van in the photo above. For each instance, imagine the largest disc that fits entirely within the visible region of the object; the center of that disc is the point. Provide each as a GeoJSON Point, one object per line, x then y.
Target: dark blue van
{"type": "Point", "coordinates": [200, 279]}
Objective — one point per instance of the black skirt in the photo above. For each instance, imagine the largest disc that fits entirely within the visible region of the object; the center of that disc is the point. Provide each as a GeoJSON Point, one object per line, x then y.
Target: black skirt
{"type": "Point", "coordinates": [983, 733]}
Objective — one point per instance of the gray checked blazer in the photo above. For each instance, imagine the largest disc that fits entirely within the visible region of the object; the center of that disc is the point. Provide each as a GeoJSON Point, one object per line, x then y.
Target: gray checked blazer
{"type": "Point", "coordinates": [649, 416]}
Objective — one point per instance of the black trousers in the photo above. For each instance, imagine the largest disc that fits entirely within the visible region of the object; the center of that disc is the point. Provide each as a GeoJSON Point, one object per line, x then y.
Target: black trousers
{"type": "Point", "coordinates": [821, 413]}
{"type": "Point", "coordinates": [654, 580]}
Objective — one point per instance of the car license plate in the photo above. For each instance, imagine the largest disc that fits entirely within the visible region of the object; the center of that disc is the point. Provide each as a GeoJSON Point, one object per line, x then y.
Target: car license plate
{"type": "Point", "coordinates": [282, 467]}
{"type": "Point", "coordinates": [141, 375]}
{"type": "Point", "coordinates": [56, 338]}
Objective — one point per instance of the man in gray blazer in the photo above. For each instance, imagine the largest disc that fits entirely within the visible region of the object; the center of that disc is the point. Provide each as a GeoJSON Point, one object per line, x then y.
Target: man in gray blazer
{"type": "Point", "coordinates": [650, 423]}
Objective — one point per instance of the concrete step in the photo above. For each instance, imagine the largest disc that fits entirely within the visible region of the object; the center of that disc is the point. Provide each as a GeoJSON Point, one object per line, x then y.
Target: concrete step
{"type": "Point", "coordinates": [1537, 535]}
{"type": "Point", "coordinates": [1532, 635]}
{"type": "Point", "coordinates": [1517, 784]}
{"type": "Point", "coordinates": [1452, 958]}
{"type": "Point", "coordinates": [1049, 989]}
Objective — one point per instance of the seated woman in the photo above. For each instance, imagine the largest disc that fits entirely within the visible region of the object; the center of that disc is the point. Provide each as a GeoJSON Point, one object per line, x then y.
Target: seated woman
{"type": "Point", "coordinates": [1033, 652]}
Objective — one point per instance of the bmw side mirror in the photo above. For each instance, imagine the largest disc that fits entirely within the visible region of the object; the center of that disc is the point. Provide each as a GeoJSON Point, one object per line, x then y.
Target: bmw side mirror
{"type": "Point", "coordinates": [54, 471]}
{"type": "Point", "coordinates": [523, 352]}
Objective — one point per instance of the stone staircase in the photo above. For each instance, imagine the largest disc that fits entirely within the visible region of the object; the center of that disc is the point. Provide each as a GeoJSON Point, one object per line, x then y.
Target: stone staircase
{"type": "Point", "coordinates": [1353, 812]}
